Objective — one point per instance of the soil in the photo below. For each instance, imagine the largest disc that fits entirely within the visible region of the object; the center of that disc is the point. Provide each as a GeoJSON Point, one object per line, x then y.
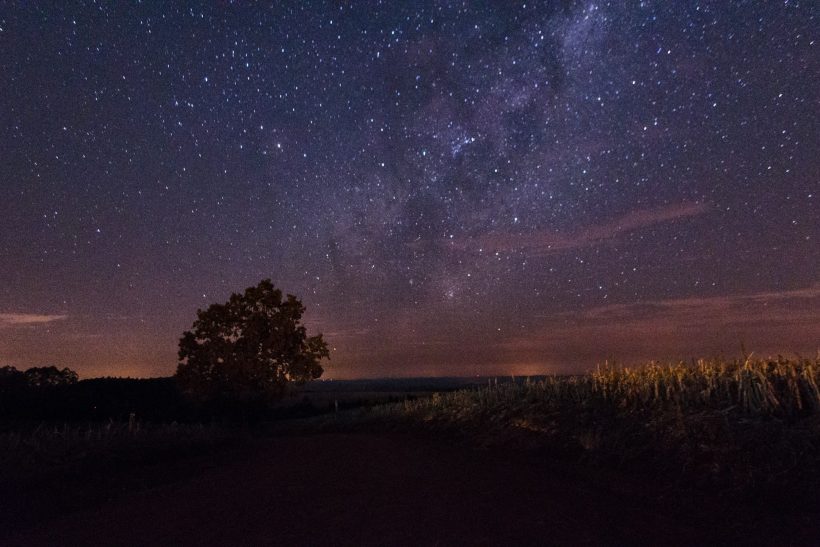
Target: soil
{"type": "Point", "coordinates": [371, 489]}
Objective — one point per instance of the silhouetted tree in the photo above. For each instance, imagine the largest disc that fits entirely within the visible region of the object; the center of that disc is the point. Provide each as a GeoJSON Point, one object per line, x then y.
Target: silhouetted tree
{"type": "Point", "coordinates": [249, 349]}
{"type": "Point", "coordinates": [50, 376]}
{"type": "Point", "coordinates": [34, 393]}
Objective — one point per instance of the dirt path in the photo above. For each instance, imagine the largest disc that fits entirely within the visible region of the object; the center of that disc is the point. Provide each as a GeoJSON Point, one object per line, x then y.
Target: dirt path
{"type": "Point", "coordinates": [367, 489]}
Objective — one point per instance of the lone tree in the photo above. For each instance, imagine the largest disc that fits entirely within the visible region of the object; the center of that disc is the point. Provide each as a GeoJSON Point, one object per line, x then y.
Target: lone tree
{"type": "Point", "coordinates": [249, 349]}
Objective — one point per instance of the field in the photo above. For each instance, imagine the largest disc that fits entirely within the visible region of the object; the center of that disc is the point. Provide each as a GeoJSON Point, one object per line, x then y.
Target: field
{"type": "Point", "coordinates": [685, 453]}
{"type": "Point", "coordinates": [750, 426]}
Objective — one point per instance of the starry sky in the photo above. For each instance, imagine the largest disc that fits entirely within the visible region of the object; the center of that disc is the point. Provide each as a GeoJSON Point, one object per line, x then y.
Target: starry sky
{"type": "Point", "coordinates": [452, 188]}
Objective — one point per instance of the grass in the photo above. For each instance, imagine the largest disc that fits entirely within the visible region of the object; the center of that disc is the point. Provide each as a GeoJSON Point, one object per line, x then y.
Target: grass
{"type": "Point", "coordinates": [750, 425]}
{"type": "Point", "coordinates": [781, 387]}
{"type": "Point", "coordinates": [48, 447]}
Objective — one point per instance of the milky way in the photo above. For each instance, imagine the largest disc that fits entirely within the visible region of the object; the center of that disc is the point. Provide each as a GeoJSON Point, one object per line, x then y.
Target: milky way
{"type": "Point", "coordinates": [451, 188]}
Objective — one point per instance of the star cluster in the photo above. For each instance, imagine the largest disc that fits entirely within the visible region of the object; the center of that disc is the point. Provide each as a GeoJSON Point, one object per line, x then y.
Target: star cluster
{"type": "Point", "coordinates": [451, 187]}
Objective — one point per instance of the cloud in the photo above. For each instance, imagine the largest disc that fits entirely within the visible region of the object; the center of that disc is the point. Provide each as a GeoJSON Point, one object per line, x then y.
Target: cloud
{"type": "Point", "coordinates": [542, 243]}
{"type": "Point", "coordinates": [790, 306]}
{"type": "Point", "coordinates": [25, 319]}
{"type": "Point", "coordinates": [767, 322]}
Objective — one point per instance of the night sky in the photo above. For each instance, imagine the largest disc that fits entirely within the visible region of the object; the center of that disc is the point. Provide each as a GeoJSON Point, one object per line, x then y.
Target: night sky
{"type": "Point", "coordinates": [452, 188]}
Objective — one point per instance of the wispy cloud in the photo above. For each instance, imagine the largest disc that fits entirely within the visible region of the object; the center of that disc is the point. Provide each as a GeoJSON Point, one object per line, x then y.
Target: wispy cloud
{"type": "Point", "coordinates": [541, 243]}
{"type": "Point", "coordinates": [771, 321]}
{"type": "Point", "coordinates": [783, 306]}
{"type": "Point", "coordinates": [26, 319]}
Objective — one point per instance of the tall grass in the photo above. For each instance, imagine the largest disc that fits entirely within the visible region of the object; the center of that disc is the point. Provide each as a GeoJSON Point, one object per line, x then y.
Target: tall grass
{"type": "Point", "coordinates": [786, 388]}
{"type": "Point", "coordinates": [777, 387]}
{"type": "Point", "coordinates": [743, 423]}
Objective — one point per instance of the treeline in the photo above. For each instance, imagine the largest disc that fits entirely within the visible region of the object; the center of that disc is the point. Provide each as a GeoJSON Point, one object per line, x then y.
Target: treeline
{"type": "Point", "coordinates": [49, 394]}
{"type": "Point", "coordinates": [52, 394]}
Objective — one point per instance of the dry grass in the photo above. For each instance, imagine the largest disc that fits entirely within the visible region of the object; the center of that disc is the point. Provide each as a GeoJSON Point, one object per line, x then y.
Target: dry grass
{"type": "Point", "coordinates": [45, 447]}
{"type": "Point", "coordinates": [778, 387]}
{"type": "Point", "coordinates": [745, 424]}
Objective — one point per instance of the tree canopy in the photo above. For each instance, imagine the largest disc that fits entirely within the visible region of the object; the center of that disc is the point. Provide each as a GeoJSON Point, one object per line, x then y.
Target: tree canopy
{"type": "Point", "coordinates": [36, 377]}
{"type": "Point", "coordinates": [50, 376]}
{"type": "Point", "coordinates": [249, 349]}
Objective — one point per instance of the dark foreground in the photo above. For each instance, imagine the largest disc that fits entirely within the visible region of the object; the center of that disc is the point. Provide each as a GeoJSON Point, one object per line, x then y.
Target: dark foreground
{"type": "Point", "coordinates": [372, 489]}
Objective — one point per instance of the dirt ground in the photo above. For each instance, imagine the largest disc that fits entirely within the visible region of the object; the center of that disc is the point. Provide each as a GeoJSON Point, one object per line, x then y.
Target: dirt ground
{"type": "Point", "coordinates": [365, 489]}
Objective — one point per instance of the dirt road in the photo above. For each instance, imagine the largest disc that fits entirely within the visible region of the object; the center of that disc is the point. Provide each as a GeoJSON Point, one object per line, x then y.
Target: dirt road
{"type": "Point", "coordinates": [365, 489]}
